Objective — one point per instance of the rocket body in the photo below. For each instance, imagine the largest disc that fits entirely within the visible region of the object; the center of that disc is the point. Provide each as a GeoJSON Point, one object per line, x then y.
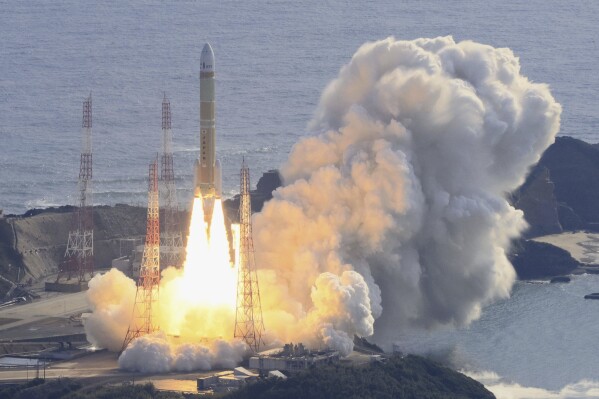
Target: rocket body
{"type": "Point", "coordinates": [207, 167]}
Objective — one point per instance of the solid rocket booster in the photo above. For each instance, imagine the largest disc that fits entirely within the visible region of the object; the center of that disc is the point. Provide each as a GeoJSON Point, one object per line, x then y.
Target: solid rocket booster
{"type": "Point", "coordinates": [207, 167]}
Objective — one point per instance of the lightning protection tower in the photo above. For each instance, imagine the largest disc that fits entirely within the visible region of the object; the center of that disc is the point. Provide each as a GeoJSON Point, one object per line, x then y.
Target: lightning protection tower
{"type": "Point", "coordinates": [146, 296]}
{"type": "Point", "coordinates": [79, 255]}
{"type": "Point", "coordinates": [171, 238]}
{"type": "Point", "coordinates": [249, 325]}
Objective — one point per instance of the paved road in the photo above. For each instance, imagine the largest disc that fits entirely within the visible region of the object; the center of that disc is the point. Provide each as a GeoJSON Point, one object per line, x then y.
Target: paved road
{"type": "Point", "coordinates": [103, 367]}
{"type": "Point", "coordinates": [99, 364]}
{"type": "Point", "coordinates": [63, 305]}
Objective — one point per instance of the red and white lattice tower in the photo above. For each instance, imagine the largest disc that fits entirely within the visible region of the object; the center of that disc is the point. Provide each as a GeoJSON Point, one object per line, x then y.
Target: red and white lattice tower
{"type": "Point", "coordinates": [172, 237]}
{"type": "Point", "coordinates": [248, 316]}
{"type": "Point", "coordinates": [79, 255]}
{"type": "Point", "coordinates": [146, 297]}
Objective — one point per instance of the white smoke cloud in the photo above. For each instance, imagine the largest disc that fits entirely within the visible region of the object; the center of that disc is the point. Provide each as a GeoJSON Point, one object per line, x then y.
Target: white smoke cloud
{"type": "Point", "coordinates": [111, 297]}
{"type": "Point", "coordinates": [155, 354]}
{"type": "Point", "coordinates": [509, 390]}
{"type": "Point", "coordinates": [403, 181]}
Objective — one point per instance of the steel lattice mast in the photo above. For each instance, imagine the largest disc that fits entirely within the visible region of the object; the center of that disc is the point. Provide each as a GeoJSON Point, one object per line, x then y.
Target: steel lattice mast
{"type": "Point", "coordinates": [79, 255]}
{"type": "Point", "coordinates": [146, 296]}
{"type": "Point", "coordinates": [249, 325]}
{"type": "Point", "coordinates": [172, 238]}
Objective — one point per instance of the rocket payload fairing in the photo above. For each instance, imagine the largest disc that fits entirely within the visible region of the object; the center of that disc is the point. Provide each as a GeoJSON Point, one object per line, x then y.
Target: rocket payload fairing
{"type": "Point", "coordinates": [207, 172]}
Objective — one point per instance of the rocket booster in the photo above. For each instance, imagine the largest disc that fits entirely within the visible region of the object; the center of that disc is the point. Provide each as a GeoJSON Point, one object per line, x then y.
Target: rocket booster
{"type": "Point", "coordinates": [207, 168]}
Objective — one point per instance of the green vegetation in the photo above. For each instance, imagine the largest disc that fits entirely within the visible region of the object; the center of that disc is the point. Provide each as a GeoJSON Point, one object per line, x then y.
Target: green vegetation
{"type": "Point", "coordinates": [145, 391]}
{"type": "Point", "coordinates": [65, 388]}
{"type": "Point", "coordinates": [38, 389]}
{"type": "Point", "coordinates": [398, 378]}
{"type": "Point", "coordinates": [409, 377]}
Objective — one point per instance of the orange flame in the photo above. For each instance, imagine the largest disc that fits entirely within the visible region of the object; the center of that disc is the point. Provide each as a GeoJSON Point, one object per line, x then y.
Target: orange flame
{"type": "Point", "coordinates": [203, 297]}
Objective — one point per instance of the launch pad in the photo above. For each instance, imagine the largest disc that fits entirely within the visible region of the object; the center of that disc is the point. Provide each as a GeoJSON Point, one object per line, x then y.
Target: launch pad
{"type": "Point", "coordinates": [215, 287]}
{"type": "Point", "coordinates": [218, 279]}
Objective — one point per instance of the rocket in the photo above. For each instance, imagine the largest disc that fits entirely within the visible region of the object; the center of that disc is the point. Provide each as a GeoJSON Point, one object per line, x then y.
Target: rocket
{"type": "Point", "coordinates": [207, 171]}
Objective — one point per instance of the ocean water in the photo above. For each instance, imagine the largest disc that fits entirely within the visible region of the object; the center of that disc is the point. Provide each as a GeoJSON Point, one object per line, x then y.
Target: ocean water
{"type": "Point", "coordinates": [543, 336]}
{"type": "Point", "coordinates": [273, 59]}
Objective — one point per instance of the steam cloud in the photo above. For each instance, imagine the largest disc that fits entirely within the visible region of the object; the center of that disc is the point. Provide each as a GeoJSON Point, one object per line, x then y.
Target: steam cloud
{"type": "Point", "coordinates": [153, 353]}
{"type": "Point", "coordinates": [395, 209]}
{"type": "Point", "coordinates": [509, 390]}
{"type": "Point", "coordinates": [111, 297]}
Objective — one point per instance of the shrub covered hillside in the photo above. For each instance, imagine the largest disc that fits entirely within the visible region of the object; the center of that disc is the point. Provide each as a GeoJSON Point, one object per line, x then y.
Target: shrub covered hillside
{"type": "Point", "coordinates": [66, 388]}
{"type": "Point", "coordinates": [398, 378]}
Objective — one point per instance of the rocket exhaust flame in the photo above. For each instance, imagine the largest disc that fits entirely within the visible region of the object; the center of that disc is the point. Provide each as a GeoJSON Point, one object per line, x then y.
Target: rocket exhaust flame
{"type": "Point", "coordinates": [208, 282]}
{"type": "Point", "coordinates": [197, 307]}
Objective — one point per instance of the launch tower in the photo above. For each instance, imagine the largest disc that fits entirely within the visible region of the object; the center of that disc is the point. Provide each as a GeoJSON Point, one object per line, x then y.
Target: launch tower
{"type": "Point", "coordinates": [171, 238]}
{"type": "Point", "coordinates": [79, 255]}
{"type": "Point", "coordinates": [146, 296]}
{"type": "Point", "coordinates": [249, 325]}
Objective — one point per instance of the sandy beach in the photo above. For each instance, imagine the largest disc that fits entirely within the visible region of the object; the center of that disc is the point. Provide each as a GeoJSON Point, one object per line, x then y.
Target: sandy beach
{"type": "Point", "coordinates": [582, 245]}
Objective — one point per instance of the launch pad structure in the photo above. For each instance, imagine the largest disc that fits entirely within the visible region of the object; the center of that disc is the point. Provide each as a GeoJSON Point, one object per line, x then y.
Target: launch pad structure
{"type": "Point", "coordinates": [79, 254]}
{"type": "Point", "coordinates": [249, 325]}
{"type": "Point", "coordinates": [171, 239]}
{"type": "Point", "coordinates": [146, 295]}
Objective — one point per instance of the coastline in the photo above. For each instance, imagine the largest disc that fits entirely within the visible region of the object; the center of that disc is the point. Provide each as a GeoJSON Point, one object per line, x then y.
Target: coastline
{"type": "Point", "coordinates": [582, 246]}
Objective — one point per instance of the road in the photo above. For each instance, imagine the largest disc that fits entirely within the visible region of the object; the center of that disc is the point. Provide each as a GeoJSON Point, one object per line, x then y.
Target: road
{"type": "Point", "coordinates": [100, 364]}
{"type": "Point", "coordinates": [30, 313]}
{"type": "Point", "coordinates": [102, 367]}
{"type": "Point", "coordinates": [45, 317]}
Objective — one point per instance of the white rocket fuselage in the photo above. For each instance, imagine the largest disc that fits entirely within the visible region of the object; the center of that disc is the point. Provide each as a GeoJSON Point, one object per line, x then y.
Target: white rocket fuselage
{"type": "Point", "coordinates": [207, 167]}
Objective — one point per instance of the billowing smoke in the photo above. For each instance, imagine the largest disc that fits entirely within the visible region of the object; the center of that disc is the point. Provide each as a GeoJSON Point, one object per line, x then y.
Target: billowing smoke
{"type": "Point", "coordinates": [393, 214]}
{"type": "Point", "coordinates": [394, 211]}
{"type": "Point", "coordinates": [154, 353]}
{"type": "Point", "coordinates": [111, 297]}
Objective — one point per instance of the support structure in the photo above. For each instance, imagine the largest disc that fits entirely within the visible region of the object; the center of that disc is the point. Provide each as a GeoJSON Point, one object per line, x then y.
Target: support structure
{"type": "Point", "coordinates": [249, 325]}
{"type": "Point", "coordinates": [79, 255]}
{"type": "Point", "coordinates": [172, 237]}
{"type": "Point", "coordinates": [146, 296]}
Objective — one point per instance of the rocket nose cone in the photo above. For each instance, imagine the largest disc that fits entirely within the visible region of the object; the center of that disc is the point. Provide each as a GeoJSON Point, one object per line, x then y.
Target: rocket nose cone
{"type": "Point", "coordinates": [207, 59]}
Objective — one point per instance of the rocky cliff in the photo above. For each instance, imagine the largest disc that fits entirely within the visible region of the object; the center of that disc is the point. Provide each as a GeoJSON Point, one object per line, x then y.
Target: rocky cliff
{"type": "Point", "coordinates": [539, 260]}
{"type": "Point", "coordinates": [562, 190]}
{"type": "Point", "coordinates": [268, 183]}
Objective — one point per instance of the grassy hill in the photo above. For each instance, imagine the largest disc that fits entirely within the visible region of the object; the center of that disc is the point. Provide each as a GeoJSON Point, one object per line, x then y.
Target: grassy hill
{"type": "Point", "coordinates": [398, 378]}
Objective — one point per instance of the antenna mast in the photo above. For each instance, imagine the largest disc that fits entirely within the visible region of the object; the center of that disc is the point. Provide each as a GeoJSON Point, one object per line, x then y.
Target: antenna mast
{"type": "Point", "coordinates": [146, 296]}
{"type": "Point", "coordinates": [79, 255]}
{"type": "Point", "coordinates": [249, 325]}
{"type": "Point", "coordinates": [172, 238]}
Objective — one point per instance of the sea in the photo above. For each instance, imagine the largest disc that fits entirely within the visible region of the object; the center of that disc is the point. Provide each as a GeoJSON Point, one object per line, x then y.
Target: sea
{"type": "Point", "coordinates": [273, 59]}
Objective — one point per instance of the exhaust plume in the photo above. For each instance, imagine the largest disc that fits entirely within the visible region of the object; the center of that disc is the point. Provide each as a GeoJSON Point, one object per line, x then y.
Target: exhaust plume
{"type": "Point", "coordinates": [393, 212]}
